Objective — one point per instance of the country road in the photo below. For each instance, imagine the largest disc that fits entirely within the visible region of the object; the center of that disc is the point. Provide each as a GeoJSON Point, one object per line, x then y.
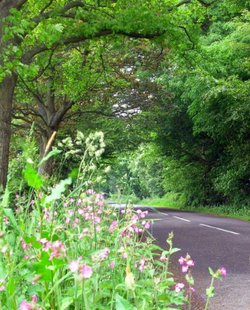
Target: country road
{"type": "Point", "coordinates": [211, 241]}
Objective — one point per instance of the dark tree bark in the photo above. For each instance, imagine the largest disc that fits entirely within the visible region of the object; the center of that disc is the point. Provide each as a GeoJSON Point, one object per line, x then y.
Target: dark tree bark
{"type": "Point", "coordinates": [6, 97]}
{"type": "Point", "coordinates": [7, 87]}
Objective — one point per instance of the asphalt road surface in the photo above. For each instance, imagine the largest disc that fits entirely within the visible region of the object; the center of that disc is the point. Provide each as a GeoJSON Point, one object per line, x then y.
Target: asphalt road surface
{"type": "Point", "coordinates": [211, 241]}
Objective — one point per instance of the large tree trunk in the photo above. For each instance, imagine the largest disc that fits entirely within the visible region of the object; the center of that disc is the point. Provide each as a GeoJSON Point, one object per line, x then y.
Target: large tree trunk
{"type": "Point", "coordinates": [7, 87]}
{"type": "Point", "coordinates": [6, 96]}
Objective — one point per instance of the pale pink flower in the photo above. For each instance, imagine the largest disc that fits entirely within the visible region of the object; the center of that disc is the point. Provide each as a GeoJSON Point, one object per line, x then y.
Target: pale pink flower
{"type": "Point", "coordinates": [124, 255]}
{"type": "Point", "coordinates": [113, 226]}
{"type": "Point", "coordinates": [6, 220]}
{"type": "Point", "coordinates": [179, 287]}
{"type": "Point", "coordinates": [181, 260]}
{"type": "Point", "coordinates": [34, 298]}
{"type": "Point", "coordinates": [102, 255]}
{"type": "Point", "coordinates": [43, 241]}
{"type": "Point", "coordinates": [25, 305]}
{"type": "Point", "coordinates": [2, 286]}
{"type": "Point", "coordinates": [186, 263]}
{"type": "Point", "coordinates": [142, 265]}
{"type": "Point", "coordinates": [86, 271]}
{"type": "Point", "coordinates": [163, 258]}
{"type": "Point", "coordinates": [223, 271]}
{"type": "Point", "coordinates": [112, 265]}
{"type": "Point", "coordinates": [190, 263]}
{"type": "Point", "coordinates": [36, 279]}
{"type": "Point", "coordinates": [81, 211]}
{"type": "Point", "coordinates": [184, 268]}
{"type": "Point", "coordinates": [74, 266]}
{"type": "Point", "coordinates": [90, 192]}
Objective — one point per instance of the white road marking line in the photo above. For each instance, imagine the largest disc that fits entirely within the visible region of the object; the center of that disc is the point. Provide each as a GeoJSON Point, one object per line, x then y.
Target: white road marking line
{"type": "Point", "coordinates": [225, 230]}
{"type": "Point", "coordinates": [181, 218]}
{"type": "Point", "coordinates": [163, 213]}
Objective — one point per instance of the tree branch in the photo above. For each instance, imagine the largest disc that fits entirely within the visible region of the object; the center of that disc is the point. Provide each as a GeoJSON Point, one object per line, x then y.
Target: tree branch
{"type": "Point", "coordinates": [27, 57]}
{"type": "Point", "coordinates": [188, 35]}
{"type": "Point", "coordinates": [37, 96]}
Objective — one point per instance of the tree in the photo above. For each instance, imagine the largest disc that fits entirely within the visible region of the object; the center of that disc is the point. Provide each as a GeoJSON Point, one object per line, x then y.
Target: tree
{"type": "Point", "coordinates": [30, 28]}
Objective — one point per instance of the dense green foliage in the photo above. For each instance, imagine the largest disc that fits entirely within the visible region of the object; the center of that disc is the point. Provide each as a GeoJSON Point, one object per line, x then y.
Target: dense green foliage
{"type": "Point", "coordinates": [167, 83]}
{"type": "Point", "coordinates": [201, 121]}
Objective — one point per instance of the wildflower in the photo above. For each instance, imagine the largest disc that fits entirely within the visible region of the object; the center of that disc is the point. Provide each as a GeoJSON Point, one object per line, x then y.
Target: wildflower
{"type": "Point", "coordinates": [34, 298]}
{"type": "Point", "coordinates": [36, 278]}
{"type": "Point", "coordinates": [86, 271]}
{"type": "Point", "coordinates": [102, 255]}
{"type": "Point", "coordinates": [222, 271]}
{"type": "Point", "coordinates": [163, 258]}
{"type": "Point", "coordinates": [186, 263]}
{"type": "Point", "coordinates": [112, 265]}
{"type": "Point", "coordinates": [25, 305]}
{"type": "Point", "coordinates": [113, 226]}
{"type": "Point", "coordinates": [179, 287]}
{"type": "Point", "coordinates": [6, 220]}
{"type": "Point", "coordinates": [142, 265]}
{"type": "Point", "coordinates": [90, 192]}
{"type": "Point", "coordinates": [81, 211]}
{"type": "Point", "coordinates": [181, 260]}
{"type": "Point", "coordinates": [74, 266]}
{"type": "Point", "coordinates": [58, 249]}
{"type": "Point", "coordinates": [2, 286]}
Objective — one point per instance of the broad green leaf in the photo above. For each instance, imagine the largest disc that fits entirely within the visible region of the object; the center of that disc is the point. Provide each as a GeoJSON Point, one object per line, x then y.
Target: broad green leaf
{"type": "Point", "coordinates": [58, 190]}
{"type": "Point", "coordinates": [49, 155]}
{"type": "Point", "coordinates": [210, 292]}
{"type": "Point", "coordinates": [32, 177]}
{"type": "Point", "coordinates": [122, 304]}
{"type": "Point", "coordinates": [10, 214]}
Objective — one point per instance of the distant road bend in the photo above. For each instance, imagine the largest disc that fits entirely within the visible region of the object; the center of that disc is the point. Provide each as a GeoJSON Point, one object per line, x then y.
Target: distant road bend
{"type": "Point", "coordinates": [211, 241]}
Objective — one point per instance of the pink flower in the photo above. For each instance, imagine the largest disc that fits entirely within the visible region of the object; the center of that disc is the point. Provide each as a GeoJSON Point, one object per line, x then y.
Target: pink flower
{"type": "Point", "coordinates": [112, 265]}
{"type": "Point", "coordinates": [113, 226]}
{"type": "Point", "coordinates": [74, 266]}
{"type": "Point", "coordinates": [186, 263]}
{"type": "Point", "coordinates": [6, 220]}
{"type": "Point", "coordinates": [142, 265]}
{"type": "Point", "coordinates": [102, 255]}
{"type": "Point", "coordinates": [181, 260]}
{"type": "Point", "coordinates": [25, 305]}
{"type": "Point", "coordinates": [34, 298]}
{"type": "Point", "coordinates": [190, 263]}
{"type": "Point", "coordinates": [179, 287]}
{"type": "Point", "coordinates": [2, 286]}
{"type": "Point", "coordinates": [223, 271]}
{"type": "Point", "coordinates": [90, 192]}
{"type": "Point", "coordinates": [163, 258]}
{"type": "Point", "coordinates": [86, 271]}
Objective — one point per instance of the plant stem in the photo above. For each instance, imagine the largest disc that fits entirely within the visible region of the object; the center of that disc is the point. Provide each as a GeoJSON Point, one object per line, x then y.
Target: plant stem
{"type": "Point", "coordinates": [208, 297]}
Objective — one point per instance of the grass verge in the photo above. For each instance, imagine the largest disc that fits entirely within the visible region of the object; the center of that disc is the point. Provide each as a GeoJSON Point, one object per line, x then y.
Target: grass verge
{"type": "Point", "coordinates": [170, 201]}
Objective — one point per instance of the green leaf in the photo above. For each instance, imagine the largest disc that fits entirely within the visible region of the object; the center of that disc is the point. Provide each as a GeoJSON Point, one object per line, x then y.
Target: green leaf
{"type": "Point", "coordinates": [66, 302]}
{"type": "Point", "coordinates": [11, 286]}
{"type": "Point", "coordinates": [32, 177]}
{"type": "Point", "coordinates": [122, 304]}
{"type": "Point", "coordinates": [211, 272]}
{"type": "Point", "coordinates": [58, 190]}
{"type": "Point", "coordinates": [5, 199]}
{"type": "Point", "coordinates": [9, 213]}
{"type": "Point", "coordinates": [210, 291]}
{"type": "Point", "coordinates": [49, 155]}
